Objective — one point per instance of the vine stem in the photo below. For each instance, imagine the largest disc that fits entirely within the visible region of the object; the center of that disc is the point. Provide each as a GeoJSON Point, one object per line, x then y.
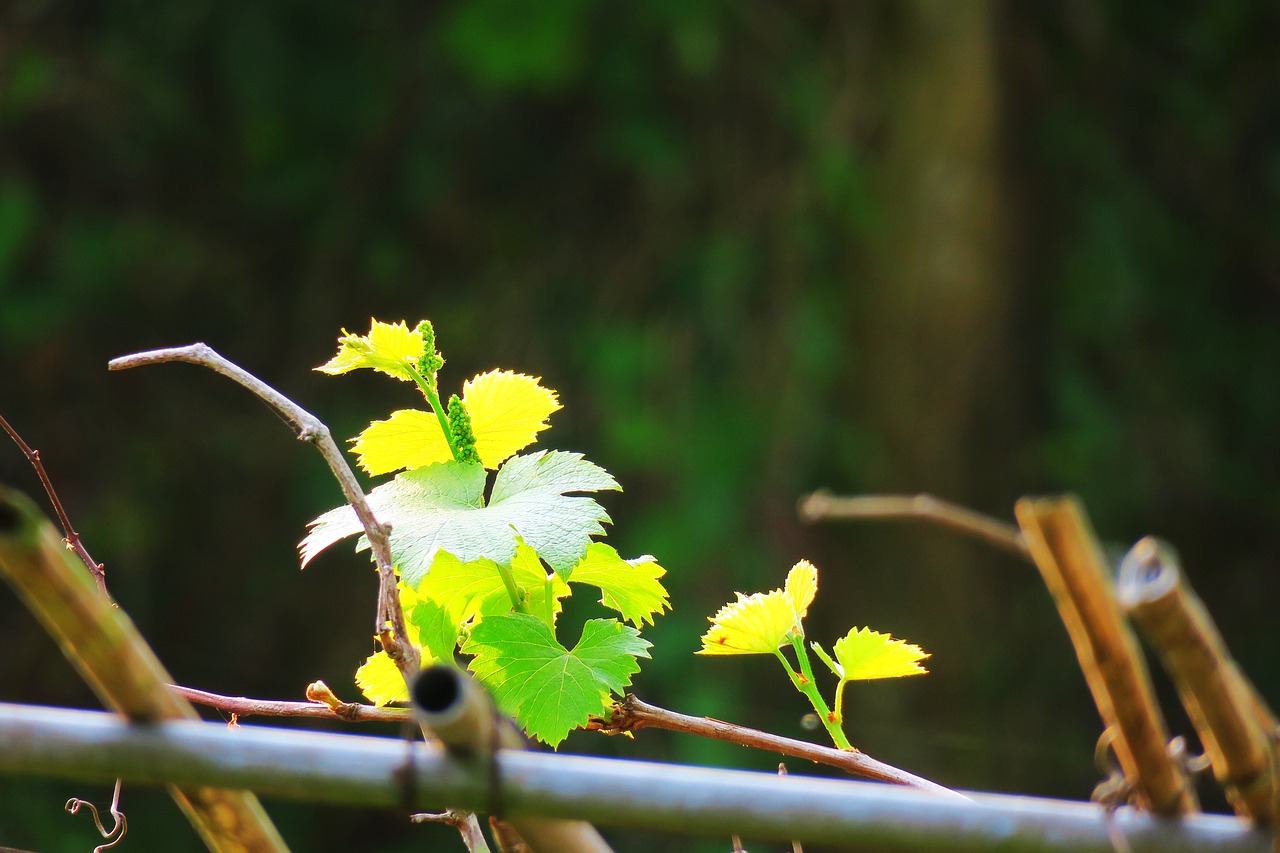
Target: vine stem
{"type": "Point", "coordinates": [513, 589]}
{"type": "Point", "coordinates": [430, 391]}
{"type": "Point", "coordinates": [242, 706]}
{"type": "Point", "coordinates": [390, 625]}
{"type": "Point", "coordinates": [805, 683]}
{"type": "Point", "coordinates": [69, 533]}
{"type": "Point", "coordinates": [630, 714]}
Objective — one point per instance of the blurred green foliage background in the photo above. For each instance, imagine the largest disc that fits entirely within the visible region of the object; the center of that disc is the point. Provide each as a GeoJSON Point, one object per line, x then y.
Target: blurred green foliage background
{"type": "Point", "coordinates": [977, 249]}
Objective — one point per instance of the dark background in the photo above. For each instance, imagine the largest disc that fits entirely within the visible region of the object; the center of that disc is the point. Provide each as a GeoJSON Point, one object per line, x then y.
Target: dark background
{"type": "Point", "coordinates": [977, 249]}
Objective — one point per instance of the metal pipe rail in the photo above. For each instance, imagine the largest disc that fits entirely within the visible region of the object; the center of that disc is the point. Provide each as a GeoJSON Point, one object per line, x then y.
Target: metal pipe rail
{"type": "Point", "coordinates": [391, 773]}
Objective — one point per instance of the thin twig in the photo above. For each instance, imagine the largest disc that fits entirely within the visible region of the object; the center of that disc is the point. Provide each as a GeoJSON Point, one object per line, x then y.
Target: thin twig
{"type": "Point", "coordinates": [795, 844]}
{"type": "Point", "coordinates": [632, 714]}
{"type": "Point", "coordinates": [465, 822]}
{"type": "Point", "coordinates": [390, 619]}
{"type": "Point", "coordinates": [71, 537]}
{"type": "Point", "coordinates": [242, 706]}
{"type": "Point", "coordinates": [824, 506]}
{"type": "Point", "coordinates": [120, 826]}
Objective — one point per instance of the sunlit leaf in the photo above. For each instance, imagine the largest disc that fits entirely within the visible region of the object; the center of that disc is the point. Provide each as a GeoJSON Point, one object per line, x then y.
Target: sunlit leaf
{"type": "Point", "coordinates": [549, 689]}
{"type": "Point", "coordinates": [380, 680]}
{"type": "Point", "coordinates": [630, 587]}
{"type": "Point", "coordinates": [408, 439]}
{"type": "Point", "coordinates": [390, 348]}
{"type": "Point", "coordinates": [466, 590]}
{"type": "Point", "coordinates": [441, 508]}
{"type": "Point", "coordinates": [507, 411]}
{"type": "Point", "coordinates": [760, 623]}
{"type": "Point", "coordinates": [863, 654]}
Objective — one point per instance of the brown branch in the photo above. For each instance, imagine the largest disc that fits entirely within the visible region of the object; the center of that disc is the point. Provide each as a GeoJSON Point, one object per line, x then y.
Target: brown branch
{"type": "Point", "coordinates": [1071, 562]}
{"type": "Point", "coordinates": [390, 618]}
{"type": "Point", "coordinates": [241, 706]}
{"type": "Point", "coordinates": [632, 714]}
{"type": "Point", "coordinates": [823, 506]}
{"type": "Point", "coordinates": [70, 536]}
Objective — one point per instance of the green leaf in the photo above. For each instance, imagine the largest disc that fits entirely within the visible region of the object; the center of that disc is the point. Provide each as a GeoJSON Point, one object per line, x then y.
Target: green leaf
{"type": "Point", "coordinates": [437, 631]}
{"type": "Point", "coordinates": [630, 587]}
{"type": "Point", "coordinates": [441, 508]}
{"type": "Point", "coordinates": [549, 689]}
{"type": "Point", "coordinates": [465, 590]}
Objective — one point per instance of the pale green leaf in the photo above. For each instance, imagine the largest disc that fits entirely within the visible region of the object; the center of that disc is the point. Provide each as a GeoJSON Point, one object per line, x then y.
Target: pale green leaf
{"type": "Point", "coordinates": [549, 689]}
{"type": "Point", "coordinates": [466, 590]}
{"type": "Point", "coordinates": [441, 508]}
{"type": "Point", "coordinates": [630, 587]}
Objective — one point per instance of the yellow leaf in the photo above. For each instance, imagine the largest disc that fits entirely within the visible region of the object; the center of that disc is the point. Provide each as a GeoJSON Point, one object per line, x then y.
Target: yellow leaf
{"type": "Point", "coordinates": [380, 681]}
{"type": "Point", "coordinates": [753, 625]}
{"type": "Point", "coordinates": [863, 654]}
{"type": "Point", "coordinates": [760, 623]}
{"type": "Point", "coordinates": [389, 348]}
{"type": "Point", "coordinates": [802, 585]}
{"type": "Point", "coordinates": [408, 439]}
{"type": "Point", "coordinates": [508, 410]}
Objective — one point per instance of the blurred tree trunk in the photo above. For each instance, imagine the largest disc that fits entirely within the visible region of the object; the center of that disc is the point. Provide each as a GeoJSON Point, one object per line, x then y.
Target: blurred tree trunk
{"type": "Point", "coordinates": [938, 302]}
{"type": "Point", "coordinates": [934, 314]}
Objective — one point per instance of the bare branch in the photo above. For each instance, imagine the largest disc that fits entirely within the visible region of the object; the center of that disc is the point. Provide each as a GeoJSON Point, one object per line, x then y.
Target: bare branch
{"type": "Point", "coordinates": [390, 620]}
{"type": "Point", "coordinates": [465, 822]}
{"type": "Point", "coordinates": [72, 538]}
{"type": "Point", "coordinates": [242, 706]}
{"type": "Point", "coordinates": [632, 714]}
{"type": "Point", "coordinates": [823, 506]}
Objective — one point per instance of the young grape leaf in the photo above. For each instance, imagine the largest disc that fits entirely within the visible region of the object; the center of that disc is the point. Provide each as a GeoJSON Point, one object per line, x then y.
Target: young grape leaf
{"type": "Point", "coordinates": [507, 410]}
{"type": "Point", "coordinates": [389, 348]}
{"type": "Point", "coordinates": [549, 689]}
{"type": "Point", "coordinates": [438, 633]}
{"type": "Point", "coordinates": [630, 587]}
{"type": "Point", "coordinates": [469, 589]}
{"type": "Point", "coordinates": [758, 624]}
{"type": "Point", "coordinates": [380, 680]}
{"type": "Point", "coordinates": [863, 654]}
{"type": "Point", "coordinates": [408, 439]}
{"type": "Point", "coordinates": [441, 508]}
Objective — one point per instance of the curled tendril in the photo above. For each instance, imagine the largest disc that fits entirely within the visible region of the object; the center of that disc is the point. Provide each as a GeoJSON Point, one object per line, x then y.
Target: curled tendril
{"type": "Point", "coordinates": [119, 827]}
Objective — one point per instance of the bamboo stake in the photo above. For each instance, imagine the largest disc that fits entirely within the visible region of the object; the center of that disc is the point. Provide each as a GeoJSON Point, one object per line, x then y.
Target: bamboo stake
{"type": "Point", "coordinates": [103, 645]}
{"type": "Point", "coordinates": [460, 713]}
{"type": "Point", "coordinates": [1222, 704]}
{"type": "Point", "coordinates": [376, 772]}
{"type": "Point", "coordinates": [1070, 559]}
